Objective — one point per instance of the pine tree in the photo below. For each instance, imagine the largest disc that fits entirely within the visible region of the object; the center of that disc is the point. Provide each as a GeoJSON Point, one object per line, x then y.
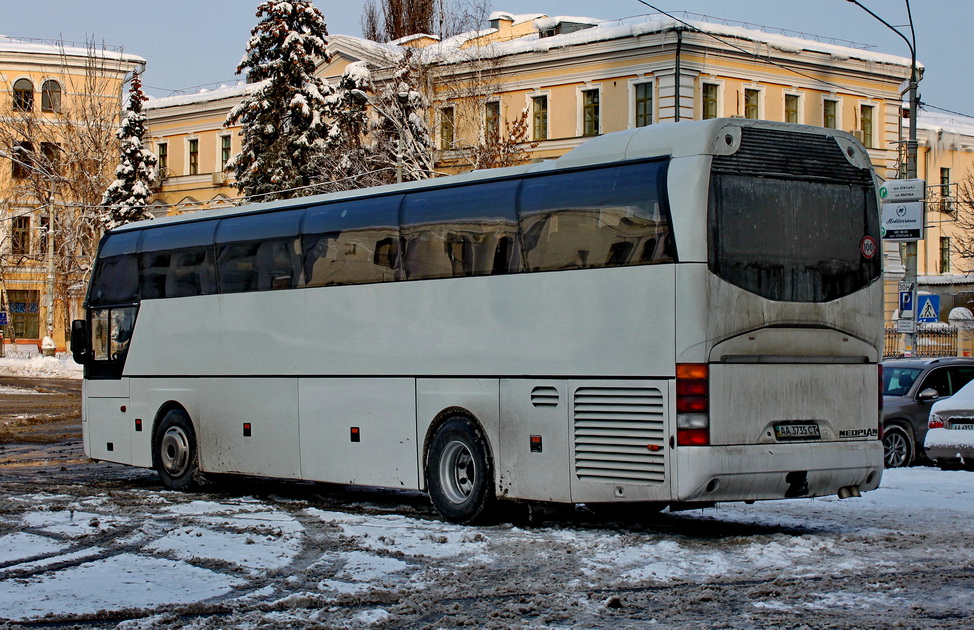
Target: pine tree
{"type": "Point", "coordinates": [283, 123]}
{"type": "Point", "coordinates": [348, 162]}
{"type": "Point", "coordinates": [407, 135]}
{"type": "Point", "coordinates": [127, 197]}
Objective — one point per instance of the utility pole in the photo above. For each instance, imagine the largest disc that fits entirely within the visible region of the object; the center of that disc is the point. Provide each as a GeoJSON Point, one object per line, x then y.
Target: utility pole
{"type": "Point", "coordinates": [908, 250]}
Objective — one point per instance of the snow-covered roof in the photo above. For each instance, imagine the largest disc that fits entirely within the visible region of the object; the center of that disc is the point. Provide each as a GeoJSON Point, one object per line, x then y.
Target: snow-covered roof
{"type": "Point", "coordinates": [451, 50]}
{"type": "Point", "coordinates": [546, 22]}
{"type": "Point", "coordinates": [950, 123]}
{"type": "Point", "coordinates": [203, 95]}
{"type": "Point", "coordinates": [53, 47]}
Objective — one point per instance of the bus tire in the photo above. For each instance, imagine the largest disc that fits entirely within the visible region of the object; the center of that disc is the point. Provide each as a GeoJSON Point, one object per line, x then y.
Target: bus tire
{"type": "Point", "coordinates": [175, 455]}
{"type": "Point", "coordinates": [459, 472]}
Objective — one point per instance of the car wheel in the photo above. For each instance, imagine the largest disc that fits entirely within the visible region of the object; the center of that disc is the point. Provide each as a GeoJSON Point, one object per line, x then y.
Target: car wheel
{"type": "Point", "coordinates": [459, 472]}
{"type": "Point", "coordinates": [897, 447]}
{"type": "Point", "coordinates": [174, 454]}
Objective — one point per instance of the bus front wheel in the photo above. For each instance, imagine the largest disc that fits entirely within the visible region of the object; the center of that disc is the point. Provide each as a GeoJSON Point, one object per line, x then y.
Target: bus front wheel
{"type": "Point", "coordinates": [175, 455]}
{"type": "Point", "coordinates": [459, 473]}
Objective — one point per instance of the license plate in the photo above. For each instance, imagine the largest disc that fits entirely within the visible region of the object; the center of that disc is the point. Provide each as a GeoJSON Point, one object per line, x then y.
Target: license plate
{"type": "Point", "coordinates": [963, 427]}
{"type": "Point", "coordinates": [797, 431]}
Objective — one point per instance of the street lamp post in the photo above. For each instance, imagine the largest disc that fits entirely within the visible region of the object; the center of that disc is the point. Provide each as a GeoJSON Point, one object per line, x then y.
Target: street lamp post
{"type": "Point", "coordinates": [909, 250]}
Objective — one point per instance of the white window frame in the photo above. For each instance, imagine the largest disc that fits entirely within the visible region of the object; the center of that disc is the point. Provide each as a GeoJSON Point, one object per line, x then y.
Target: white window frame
{"type": "Point", "coordinates": [187, 153]}
{"type": "Point", "coordinates": [875, 122]}
{"type": "Point", "coordinates": [838, 109]}
{"type": "Point", "coordinates": [654, 110]}
{"type": "Point", "coordinates": [720, 96]}
{"type": "Point", "coordinates": [580, 109]}
{"type": "Point", "coordinates": [529, 104]}
{"type": "Point", "coordinates": [439, 127]}
{"type": "Point", "coordinates": [219, 150]}
{"type": "Point", "coordinates": [754, 87]}
{"type": "Point", "coordinates": [801, 105]}
{"type": "Point", "coordinates": [500, 119]}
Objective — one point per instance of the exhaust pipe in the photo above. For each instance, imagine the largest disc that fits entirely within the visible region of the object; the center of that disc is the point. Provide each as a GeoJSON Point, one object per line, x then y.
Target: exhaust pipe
{"type": "Point", "coordinates": [846, 492]}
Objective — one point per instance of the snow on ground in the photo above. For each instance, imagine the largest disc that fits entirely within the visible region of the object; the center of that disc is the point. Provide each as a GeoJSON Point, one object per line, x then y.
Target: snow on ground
{"type": "Point", "coordinates": [39, 366]}
{"type": "Point", "coordinates": [269, 561]}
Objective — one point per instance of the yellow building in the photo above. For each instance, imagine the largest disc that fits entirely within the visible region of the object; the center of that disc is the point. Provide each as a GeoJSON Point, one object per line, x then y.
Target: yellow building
{"type": "Point", "coordinates": [579, 77]}
{"type": "Point", "coordinates": [59, 107]}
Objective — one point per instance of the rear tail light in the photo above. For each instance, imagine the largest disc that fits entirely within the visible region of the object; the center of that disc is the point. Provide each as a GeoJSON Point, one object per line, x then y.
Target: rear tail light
{"type": "Point", "coordinates": [692, 404]}
{"type": "Point", "coordinates": [935, 422]}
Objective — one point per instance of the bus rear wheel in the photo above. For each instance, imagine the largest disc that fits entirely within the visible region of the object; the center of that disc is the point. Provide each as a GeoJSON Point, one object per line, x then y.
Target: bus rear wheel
{"type": "Point", "coordinates": [175, 455]}
{"type": "Point", "coordinates": [459, 472]}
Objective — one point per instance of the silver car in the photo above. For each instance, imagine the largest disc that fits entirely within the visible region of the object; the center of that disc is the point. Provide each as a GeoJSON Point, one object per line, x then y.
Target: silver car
{"type": "Point", "coordinates": [950, 435]}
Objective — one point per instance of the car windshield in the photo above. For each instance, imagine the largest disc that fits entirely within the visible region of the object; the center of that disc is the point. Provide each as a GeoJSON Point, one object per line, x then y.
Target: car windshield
{"type": "Point", "coordinates": [898, 380]}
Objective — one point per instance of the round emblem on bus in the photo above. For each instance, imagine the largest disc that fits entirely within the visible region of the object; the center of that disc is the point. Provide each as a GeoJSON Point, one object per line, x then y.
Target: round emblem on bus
{"type": "Point", "coordinates": [868, 247]}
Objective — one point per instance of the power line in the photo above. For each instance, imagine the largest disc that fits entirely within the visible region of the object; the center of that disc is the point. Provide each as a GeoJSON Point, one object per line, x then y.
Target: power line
{"type": "Point", "coordinates": [696, 29]}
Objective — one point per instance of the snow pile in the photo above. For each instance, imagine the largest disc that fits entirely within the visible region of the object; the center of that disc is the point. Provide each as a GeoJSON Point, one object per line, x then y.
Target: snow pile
{"type": "Point", "coordinates": [49, 367]}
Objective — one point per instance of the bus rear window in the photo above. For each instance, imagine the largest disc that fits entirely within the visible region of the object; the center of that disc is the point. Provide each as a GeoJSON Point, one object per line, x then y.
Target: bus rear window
{"type": "Point", "coordinates": [797, 223]}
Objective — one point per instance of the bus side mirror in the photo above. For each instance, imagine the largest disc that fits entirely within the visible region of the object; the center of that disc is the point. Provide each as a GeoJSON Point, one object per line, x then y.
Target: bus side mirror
{"type": "Point", "coordinates": [79, 341]}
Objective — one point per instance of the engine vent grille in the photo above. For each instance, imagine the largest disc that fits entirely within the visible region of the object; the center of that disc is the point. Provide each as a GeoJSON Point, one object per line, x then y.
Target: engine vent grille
{"type": "Point", "coordinates": [544, 396]}
{"type": "Point", "coordinates": [619, 435]}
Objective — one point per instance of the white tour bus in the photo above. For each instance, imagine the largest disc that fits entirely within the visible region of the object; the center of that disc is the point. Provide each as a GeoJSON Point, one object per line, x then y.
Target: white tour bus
{"type": "Point", "coordinates": [674, 315]}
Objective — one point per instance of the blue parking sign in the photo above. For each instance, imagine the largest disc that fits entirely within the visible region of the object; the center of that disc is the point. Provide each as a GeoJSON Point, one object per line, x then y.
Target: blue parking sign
{"type": "Point", "coordinates": [928, 308]}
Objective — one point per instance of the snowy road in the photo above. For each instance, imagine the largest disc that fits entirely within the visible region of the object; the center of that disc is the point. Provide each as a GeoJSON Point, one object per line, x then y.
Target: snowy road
{"type": "Point", "coordinates": [99, 545]}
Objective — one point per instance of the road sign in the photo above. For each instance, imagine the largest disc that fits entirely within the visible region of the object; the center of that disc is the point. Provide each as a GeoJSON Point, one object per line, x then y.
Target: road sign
{"type": "Point", "coordinates": [902, 221]}
{"type": "Point", "coordinates": [897, 190]}
{"type": "Point", "coordinates": [907, 326]}
{"type": "Point", "coordinates": [905, 286]}
{"type": "Point", "coordinates": [928, 308]}
{"type": "Point", "coordinates": [906, 302]}
{"type": "Point", "coordinates": [3, 318]}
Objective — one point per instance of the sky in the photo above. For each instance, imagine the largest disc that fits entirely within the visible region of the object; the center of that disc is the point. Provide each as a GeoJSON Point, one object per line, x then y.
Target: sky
{"type": "Point", "coordinates": [193, 43]}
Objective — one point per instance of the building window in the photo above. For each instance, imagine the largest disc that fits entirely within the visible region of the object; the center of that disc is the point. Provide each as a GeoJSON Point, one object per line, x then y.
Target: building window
{"type": "Point", "coordinates": [590, 112]}
{"type": "Point", "coordinates": [866, 121]}
{"type": "Point", "coordinates": [643, 104]}
{"type": "Point", "coordinates": [24, 315]}
{"type": "Point", "coordinates": [829, 114]}
{"type": "Point", "coordinates": [224, 152]}
{"type": "Point", "coordinates": [23, 95]}
{"type": "Point", "coordinates": [52, 157]}
{"type": "Point", "coordinates": [539, 117]}
{"type": "Point", "coordinates": [20, 236]}
{"type": "Point", "coordinates": [43, 229]}
{"type": "Point", "coordinates": [791, 108]}
{"type": "Point", "coordinates": [446, 128]}
{"type": "Point", "coordinates": [944, 254]}
{"type": "Point", "coordinates": [492, 121]}
{"type": "Point", "coordinates": [194, 157]}
{"type": "Point", "coordinates": [51, 97]}
{"type": "Point", "coordinates": [709, 101]}
{"type": "Point", "coordinates": [163, 158]}
{"type": "Point", "coordinates": [945, 200]}
{"type": "Point", "coordinates": [752, 100]}
{"type": "Point", "coordinates": [23, 160]}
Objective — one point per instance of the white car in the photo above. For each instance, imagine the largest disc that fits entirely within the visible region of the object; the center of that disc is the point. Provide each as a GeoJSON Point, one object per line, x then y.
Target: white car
{"type": "Point", "coordinates": [950, 434]}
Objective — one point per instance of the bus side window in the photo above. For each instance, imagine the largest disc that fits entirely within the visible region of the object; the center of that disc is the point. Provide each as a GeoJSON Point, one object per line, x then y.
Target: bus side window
{"type": "Point", "coordinates": [277, 264]}
{"type": "Point", "coordinates": [595, 218]}
{"type": "Point", "coordinates": [354, 242]}
{"type": "Point", "coordinates": [235, 267]}
{"type": "Point", "coordinates": [463, 231]}
{"type": "Point", "coordinates": [191, 272]}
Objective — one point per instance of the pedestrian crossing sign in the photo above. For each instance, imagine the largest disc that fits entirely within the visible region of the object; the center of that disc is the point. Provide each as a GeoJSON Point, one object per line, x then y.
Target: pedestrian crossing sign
{"type": "Point", "coordinates": [928, 308]}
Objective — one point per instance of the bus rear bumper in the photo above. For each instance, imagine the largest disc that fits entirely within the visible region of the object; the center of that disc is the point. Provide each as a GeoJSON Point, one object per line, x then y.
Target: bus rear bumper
{"type": "Point", "coordinates": [776, 471]}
